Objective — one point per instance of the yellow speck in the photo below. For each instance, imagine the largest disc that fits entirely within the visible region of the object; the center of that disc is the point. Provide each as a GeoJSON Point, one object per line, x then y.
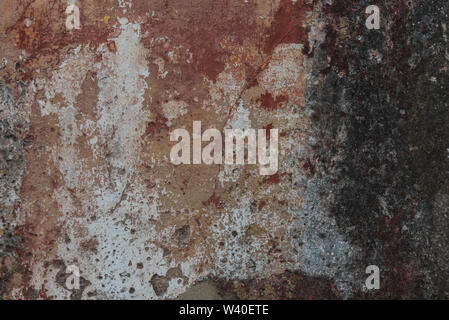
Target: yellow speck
{"type": "Point", "coordinates": [1, 232]}
{"type": "Point", "coordinates": [106, 19]}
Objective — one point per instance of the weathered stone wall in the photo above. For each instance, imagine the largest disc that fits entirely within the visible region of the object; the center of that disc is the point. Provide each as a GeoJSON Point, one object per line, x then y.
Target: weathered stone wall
{"type": "Point", "coordinates": [85, 171]}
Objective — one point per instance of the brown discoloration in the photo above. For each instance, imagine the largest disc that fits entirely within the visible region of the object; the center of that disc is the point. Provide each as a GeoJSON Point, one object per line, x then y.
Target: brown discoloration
{"type": "Point", "coordinates": [214, 200]}
{"type": "Point", "coordinates": [190, 26]}
{"type": "Point", "coordinates": [273, 179]}
{"type": "Point", "coordinates": [288, 25]}
{"type": "Point", "coordinates": [111, 46]}
{"type": "Point", "coordinates": [268, 102]}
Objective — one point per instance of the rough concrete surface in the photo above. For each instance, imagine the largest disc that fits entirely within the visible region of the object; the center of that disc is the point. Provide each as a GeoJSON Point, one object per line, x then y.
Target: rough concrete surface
{"type": "Point", "coordinates": [85, 172]}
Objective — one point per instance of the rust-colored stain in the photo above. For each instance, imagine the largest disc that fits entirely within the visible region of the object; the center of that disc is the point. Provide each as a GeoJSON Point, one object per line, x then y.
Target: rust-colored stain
{"type": "Point", "coordinates": [87, 182]}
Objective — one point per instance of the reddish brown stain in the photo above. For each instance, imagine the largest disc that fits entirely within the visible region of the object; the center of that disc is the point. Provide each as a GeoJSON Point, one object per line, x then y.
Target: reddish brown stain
{"type": "Point", "coordinates": [268, 128]}
{"type": "Point", "coordinates": [157, 127]}
{"type": "Point", "coordinates": [261, 205]}
{"type": "Point", "coordinates": [111, 46]}
{"type": "Point", "coordinates": [45, 37]}
{"type": "Point", "coordinates": [251, 77]}
{"type": "Point", "coordinates": [268, 102]}
{"type": "Point", "coordinates": [273, 179]}
{"type": "Point", "coordinates": [213, 200]}
{"type": "Point", "coordinates": [201, 26]}
{"type": "Point", "coordinates": [288, 25]}
{"type": "Point", "coordinates": [87, 100]}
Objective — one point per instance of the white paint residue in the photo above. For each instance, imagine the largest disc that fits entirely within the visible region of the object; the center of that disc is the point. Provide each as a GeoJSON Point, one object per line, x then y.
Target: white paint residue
{"type": "Point", "coordinates": [174, 109]}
